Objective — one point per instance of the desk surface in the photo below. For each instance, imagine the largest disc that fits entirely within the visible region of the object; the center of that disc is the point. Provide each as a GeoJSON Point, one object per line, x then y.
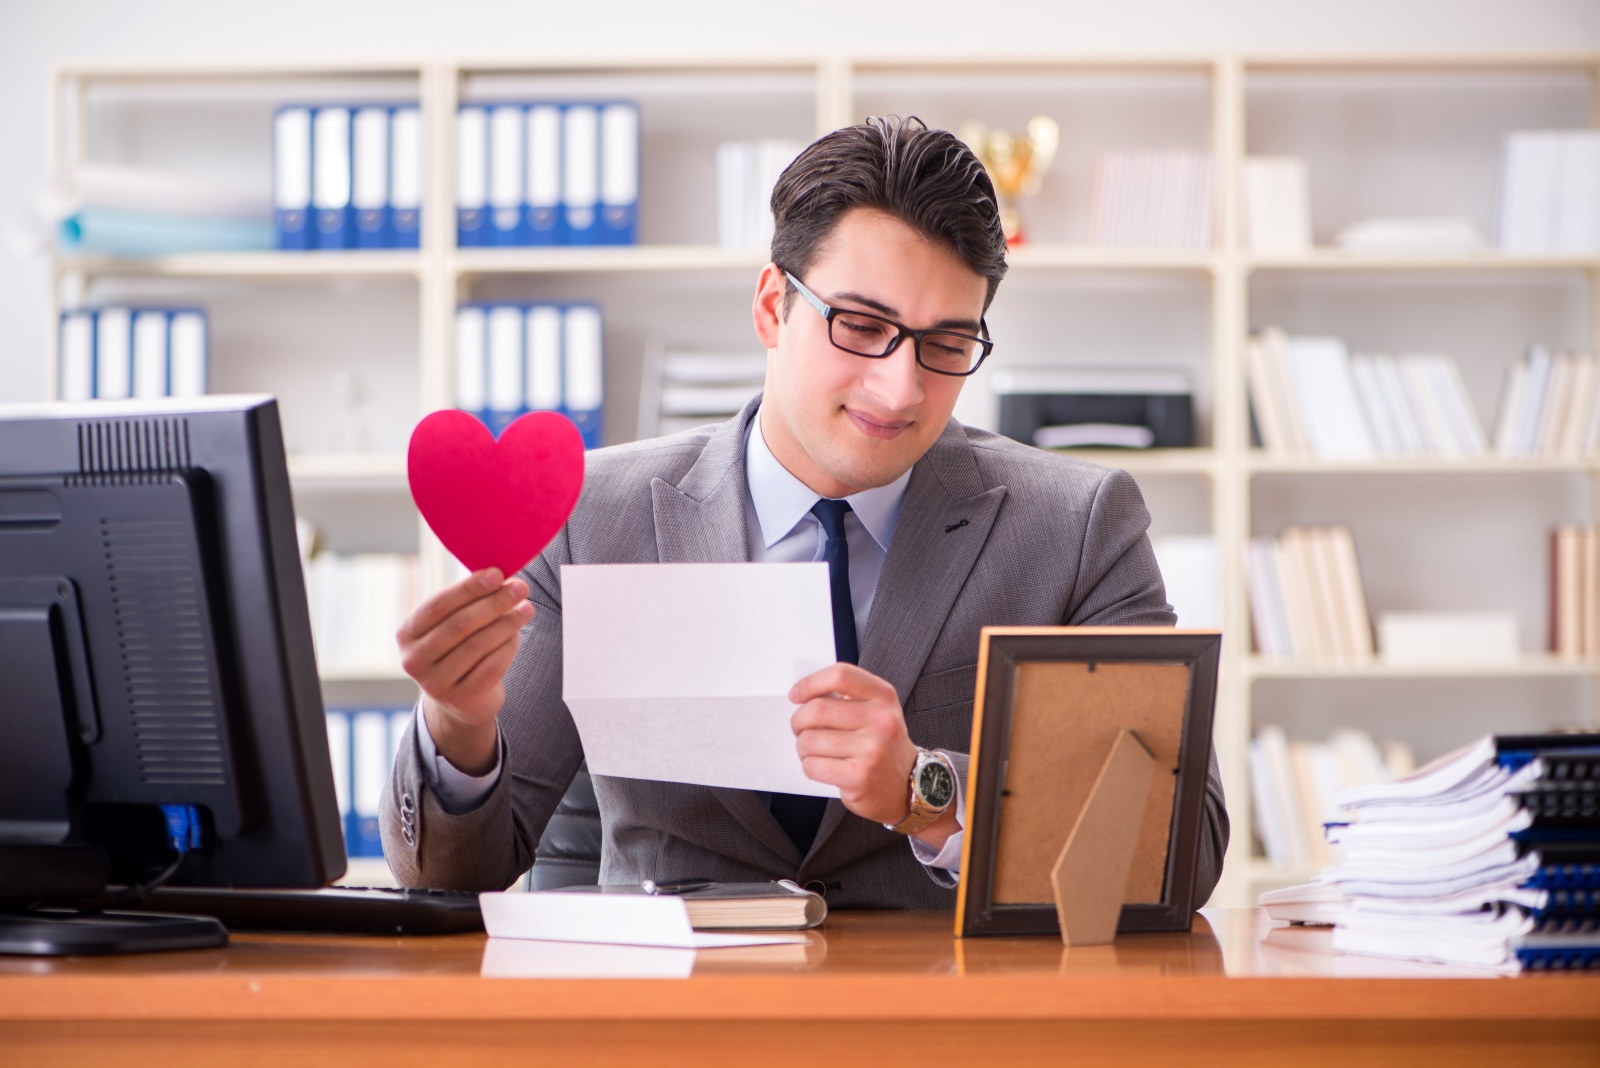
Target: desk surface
{"type": "Point", "coordinates": [872, 974]}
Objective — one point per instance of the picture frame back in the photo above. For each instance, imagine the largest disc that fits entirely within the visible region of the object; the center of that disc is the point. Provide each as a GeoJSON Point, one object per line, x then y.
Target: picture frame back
{"type": "Point", "coordinates": [1050, 704]}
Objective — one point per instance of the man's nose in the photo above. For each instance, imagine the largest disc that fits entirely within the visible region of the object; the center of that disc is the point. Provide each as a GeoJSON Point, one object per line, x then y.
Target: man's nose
{"type": "Point", "coordinates": [896, 379]}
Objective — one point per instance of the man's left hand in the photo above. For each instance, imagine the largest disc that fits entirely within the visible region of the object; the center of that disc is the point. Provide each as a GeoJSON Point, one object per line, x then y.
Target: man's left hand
{"type": "Point", "coordinates": [851, 733]}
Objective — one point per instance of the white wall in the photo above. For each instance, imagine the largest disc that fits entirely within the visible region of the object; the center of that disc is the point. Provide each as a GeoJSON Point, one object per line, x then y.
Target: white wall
{"type": "Point", "coordinates": [33, 33]}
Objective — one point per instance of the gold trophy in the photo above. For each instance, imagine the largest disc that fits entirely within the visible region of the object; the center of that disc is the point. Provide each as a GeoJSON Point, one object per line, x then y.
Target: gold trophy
{"type": "Point", "coordinates": [1016, 166]}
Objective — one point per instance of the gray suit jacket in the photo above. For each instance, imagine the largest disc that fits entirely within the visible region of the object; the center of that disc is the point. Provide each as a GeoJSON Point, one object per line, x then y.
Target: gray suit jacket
{"type": "Point", "coordinates": [990, 532]}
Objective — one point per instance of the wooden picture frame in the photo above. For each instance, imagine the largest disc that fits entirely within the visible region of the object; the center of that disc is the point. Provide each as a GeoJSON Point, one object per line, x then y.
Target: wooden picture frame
{"type": "Point", "coordinates": [1063, 695]}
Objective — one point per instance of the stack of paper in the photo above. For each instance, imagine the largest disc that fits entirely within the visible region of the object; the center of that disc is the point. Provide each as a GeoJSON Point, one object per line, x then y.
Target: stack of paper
{"type": "Point", "coordinates": [1293, 784]}
{"type": "Point", "coordinates": [120, 210]}
{"type": "Point", "coordinates": [1306, 598]}
{"type": "Point", "coordinates": [693, 387]}
{"type": "Point", "coordinates": [1151, 200]}
{"type": "Point", "coordinates": [1449, 236]}
{"type": "Point", "coordinates": [1550, 407]}
{"type": "Point", "coordinates": [1310, 396]}
{"type": "Point", "coordinates": [1550, 193]}
{"type": "Point", "coordinates": [1487, 857]}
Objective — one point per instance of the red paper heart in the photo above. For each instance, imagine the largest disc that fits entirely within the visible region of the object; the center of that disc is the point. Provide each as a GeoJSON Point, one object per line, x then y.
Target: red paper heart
{"type": "Point", "coordinates": [495, 503]}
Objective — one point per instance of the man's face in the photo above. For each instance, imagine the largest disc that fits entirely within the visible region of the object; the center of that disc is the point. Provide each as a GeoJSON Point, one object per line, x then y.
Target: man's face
{"type": "Point", "coordinates": [841, 422]}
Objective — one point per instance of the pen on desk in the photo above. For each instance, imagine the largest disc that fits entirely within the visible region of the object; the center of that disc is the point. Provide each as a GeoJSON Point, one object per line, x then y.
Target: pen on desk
{"type": "Point", "coordinates": [674, 886]}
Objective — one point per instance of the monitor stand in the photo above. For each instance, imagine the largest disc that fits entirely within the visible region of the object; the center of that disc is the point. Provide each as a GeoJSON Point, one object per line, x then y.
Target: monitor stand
{"type": "Point", "coordinates": [60, 933]}
{"type": "Point", "coordinates": [39, 873]}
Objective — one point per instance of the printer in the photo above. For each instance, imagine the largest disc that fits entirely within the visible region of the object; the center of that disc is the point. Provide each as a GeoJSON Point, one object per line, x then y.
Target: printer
{"type": "Point", "coordinates": [1097, 407]}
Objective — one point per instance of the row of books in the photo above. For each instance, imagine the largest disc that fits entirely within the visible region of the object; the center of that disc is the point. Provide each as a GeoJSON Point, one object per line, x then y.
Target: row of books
{"type": "Point", "coordinates": [347, 177]}
{"type": "Point", "coordinates": [1309, 396]}
{"type": "Point", "coordinates": [746, 174]}
{"type": "Point", "coordinates": [1550, 192]}
{"type": "Point", "coordinates": [1551, 406]}
{"type": "Point", "coordinates": [1157, 199]}
{"type": "Point", "coordinates": [362, 743]}
{"type": "Point", "coordinates": [1575, 591]}
{"type": "Point", "coordinates": [1293, 784]}
{"type": "Point", "coordinates": [115, 352]}
{"type": "Point", "coordinates": [547, 174]}
{"type": "Point", "coordinates": [1306, 597]}
{"type": "Point", "coordinates": [1487, 858]}
{"type": "Point", "coordinates": [357, 602]}
{"type": "Point", "coordinates": [518, 358]}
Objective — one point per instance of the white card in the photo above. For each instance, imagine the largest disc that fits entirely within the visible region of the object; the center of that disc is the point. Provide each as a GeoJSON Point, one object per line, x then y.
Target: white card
{"type": "Point", "coordinates": [614, 919]}
{"type": "Point", "coordinates": [681, 672]}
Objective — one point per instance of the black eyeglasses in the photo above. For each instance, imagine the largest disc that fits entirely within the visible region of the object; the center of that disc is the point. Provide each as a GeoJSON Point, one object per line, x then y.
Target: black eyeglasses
{"type": "Point", "coordinates": [864, 334]}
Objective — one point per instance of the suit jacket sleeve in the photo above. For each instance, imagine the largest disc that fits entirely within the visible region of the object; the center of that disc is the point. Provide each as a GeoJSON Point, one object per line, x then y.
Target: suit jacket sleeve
{"type": "Point", "coordinates": [488, 847]}
{"type": "Point", "coordinates": [1119, 584]}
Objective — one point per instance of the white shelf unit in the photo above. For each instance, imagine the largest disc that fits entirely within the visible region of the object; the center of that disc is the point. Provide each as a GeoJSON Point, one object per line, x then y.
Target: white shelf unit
{"type": "Point", "coordinates": [1383, 135]}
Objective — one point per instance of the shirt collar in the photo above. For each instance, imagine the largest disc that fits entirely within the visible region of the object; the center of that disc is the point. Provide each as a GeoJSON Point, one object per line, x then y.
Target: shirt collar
{"type": "Point", "coordinates": [781, 500]}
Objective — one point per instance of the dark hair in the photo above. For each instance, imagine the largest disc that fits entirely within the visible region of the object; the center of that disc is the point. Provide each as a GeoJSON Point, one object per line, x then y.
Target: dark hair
{"type": "Point", "coordinates": [928, 179]}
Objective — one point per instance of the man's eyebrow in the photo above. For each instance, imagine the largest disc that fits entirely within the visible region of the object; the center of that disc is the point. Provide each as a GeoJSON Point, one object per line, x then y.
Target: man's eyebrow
{"type": "Point", "coordinates": [969, 325]}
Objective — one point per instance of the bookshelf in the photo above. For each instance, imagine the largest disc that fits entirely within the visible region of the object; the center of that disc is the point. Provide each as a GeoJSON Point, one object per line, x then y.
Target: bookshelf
{"type": "Point", "coordinates": [1380, 134]}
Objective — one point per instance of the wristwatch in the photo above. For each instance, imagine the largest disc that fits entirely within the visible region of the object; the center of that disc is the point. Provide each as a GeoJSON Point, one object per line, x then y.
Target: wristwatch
{"type": "Point", "coordinates": [933, 790]}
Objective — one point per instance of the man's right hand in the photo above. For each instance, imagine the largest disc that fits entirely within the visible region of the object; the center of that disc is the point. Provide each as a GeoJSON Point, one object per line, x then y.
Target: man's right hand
{"type": "Point", "coordinates": [457, 645]}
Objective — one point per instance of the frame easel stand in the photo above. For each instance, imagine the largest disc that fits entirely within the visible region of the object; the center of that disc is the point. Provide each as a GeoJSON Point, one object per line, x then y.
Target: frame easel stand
{"type": "Point", "coordinates": [1091, 875]}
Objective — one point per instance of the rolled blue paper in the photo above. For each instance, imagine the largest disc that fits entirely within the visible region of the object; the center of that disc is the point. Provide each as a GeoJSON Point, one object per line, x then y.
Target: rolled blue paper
{"type": "Point", "coordinates": [138, 234]}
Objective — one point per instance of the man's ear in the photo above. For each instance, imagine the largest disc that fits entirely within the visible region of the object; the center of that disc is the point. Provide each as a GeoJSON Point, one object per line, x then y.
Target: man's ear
{"type": "Point", "coordinates": [767, 310]}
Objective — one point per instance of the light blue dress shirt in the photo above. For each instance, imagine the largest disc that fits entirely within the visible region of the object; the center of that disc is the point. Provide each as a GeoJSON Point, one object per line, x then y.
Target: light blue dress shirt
{"type": "Point", "coordinates": [781, 529]}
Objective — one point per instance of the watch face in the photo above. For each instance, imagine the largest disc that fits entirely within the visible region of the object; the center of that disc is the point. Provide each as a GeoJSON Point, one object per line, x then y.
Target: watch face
{"type": "Point", "coordinates": [936, 784]}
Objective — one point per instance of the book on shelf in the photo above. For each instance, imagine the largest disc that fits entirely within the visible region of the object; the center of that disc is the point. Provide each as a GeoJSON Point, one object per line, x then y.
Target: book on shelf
{"type": "Point", "coordinates": [362, 745]}
{"type": "Point", "coordinates": [1447, 637]}
{"type": "Point", "coordinates": [1550, 192]}
{"type": "Point", "coordinates": [1306, 596]}
{"type": "Point", "coordinates": [686, 387]}
{"type": "Point", "coordinates": [1160, 199]}
{"type": "Point", "coordinates": [347, 176]}
{"type": "Point", "coordinates": [747, 171]}
{"type": "Point", "coordinates": [1277, 204]}
{"type": "Point", "coordinates": [1575, 591]}
{"type": "Point", "coordinates": [1488, 857]}
{"type": "Point", "coordinates": [1293, 784]}
{"type": "Point", "coordinates": [512, 359]}
{"type": "Point", "coordinates": [357, 601]}
{"type": "Point", "coordinates": [116, 352]}
{"type": "Point", "coordinates": [1311, 397]}
{"type": "Point", "coordinates": [1189, 570]}
{"type": "Point", "coordinates": [1550, 406]}
{"type": "Point", "coordinates": [547, 173]}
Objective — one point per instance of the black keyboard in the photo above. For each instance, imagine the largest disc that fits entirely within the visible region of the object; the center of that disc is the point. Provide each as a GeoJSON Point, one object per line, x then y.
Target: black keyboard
{"type": "Point", "coordinates": [335, 910]}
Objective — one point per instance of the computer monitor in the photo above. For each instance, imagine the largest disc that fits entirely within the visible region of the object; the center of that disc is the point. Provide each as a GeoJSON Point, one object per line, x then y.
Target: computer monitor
{"type": "Point", "coordinates": [157, 677]}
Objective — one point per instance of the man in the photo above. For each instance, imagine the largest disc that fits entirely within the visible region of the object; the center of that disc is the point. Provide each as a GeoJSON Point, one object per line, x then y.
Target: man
{"type": "Point", "coordinates": [886, 254]}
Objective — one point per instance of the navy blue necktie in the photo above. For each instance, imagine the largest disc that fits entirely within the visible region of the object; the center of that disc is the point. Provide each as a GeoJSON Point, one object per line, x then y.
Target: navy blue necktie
{"type": "Point", "coordinates": [798, 814]}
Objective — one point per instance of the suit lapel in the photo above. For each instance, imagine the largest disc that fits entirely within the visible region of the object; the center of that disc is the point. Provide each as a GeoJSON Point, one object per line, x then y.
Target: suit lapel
{"type": "Point", "coordinates": [701, 520]}
{"type": "Point", "coordinates": [943, 524]}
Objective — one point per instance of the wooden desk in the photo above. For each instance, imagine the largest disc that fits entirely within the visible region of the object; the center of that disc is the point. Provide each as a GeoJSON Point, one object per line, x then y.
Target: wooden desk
{"type": "Point", "coordinates": [878, 988]}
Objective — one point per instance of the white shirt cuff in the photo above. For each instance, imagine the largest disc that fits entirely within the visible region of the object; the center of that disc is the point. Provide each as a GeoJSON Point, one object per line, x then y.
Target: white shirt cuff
{"type": "Point", "coordinates": [457, 791]}
{"type": "Point", "coordinates": [948, 858]}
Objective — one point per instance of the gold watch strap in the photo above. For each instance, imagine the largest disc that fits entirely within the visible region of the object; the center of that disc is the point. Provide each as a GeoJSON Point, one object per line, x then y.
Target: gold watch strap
{"type": "Point", "coordinates": [922, 816]}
